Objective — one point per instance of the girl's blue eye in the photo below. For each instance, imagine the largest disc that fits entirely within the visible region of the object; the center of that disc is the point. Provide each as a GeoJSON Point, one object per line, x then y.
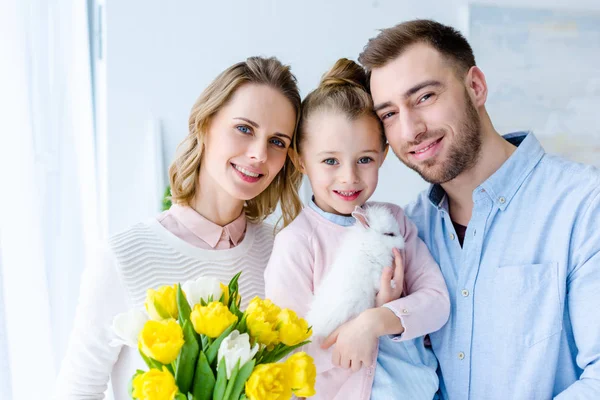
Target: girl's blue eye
{"type": "Point", "coordinates": [243, 129]}
{"type": "Point", "coordinates": [330, 161]}
{"type": "Point", "coordinates": [364, 160]}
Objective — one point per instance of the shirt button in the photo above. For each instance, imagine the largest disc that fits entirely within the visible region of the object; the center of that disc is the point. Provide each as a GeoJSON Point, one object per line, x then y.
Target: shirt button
{"type": "Point", "coordinates": [474, 232]}
{"type": "Point", "coordinates": [405, 311]}
{"type": "Point", "coordinates": [461, 355]}
{"type": "Point", "coordinates": [464, 292]}
{"type": "Point", "coordinates": [452, 236]}
{"type": "Point", "coordinates": [502, 200]}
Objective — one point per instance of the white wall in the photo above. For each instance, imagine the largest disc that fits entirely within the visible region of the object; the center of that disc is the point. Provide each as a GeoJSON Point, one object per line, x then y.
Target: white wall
{"type": "Point", "coordinates": [161, 55]}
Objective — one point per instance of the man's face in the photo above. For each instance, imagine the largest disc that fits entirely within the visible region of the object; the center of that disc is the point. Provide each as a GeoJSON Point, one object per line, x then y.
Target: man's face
{"type": "Point", "coordinates": [429, 119]}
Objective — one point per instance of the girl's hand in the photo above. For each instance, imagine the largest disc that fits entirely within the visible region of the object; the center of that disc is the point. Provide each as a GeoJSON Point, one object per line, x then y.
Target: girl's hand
{"type": "Point", "coordinates": [355, 341]}
{"type": "Point", "coordinates": [392, 281]}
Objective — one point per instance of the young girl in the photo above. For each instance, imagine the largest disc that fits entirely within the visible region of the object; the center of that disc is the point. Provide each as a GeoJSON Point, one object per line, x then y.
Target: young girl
{"type": "Point", "coordinates": [380, 354]}
{"type": "Point", "coordinates": [229, 174]}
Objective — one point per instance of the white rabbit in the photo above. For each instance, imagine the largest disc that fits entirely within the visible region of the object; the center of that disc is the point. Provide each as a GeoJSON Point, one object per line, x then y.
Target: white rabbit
{"type": "Point", "coordinates": [352, 282]}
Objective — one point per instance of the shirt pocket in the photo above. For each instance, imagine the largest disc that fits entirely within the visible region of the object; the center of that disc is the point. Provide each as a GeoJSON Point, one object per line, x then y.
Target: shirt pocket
{"type": "Point", "coordinates": [526, 302]}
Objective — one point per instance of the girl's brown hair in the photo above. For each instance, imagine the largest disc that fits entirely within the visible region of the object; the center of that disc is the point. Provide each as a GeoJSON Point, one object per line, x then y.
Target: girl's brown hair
{"type": "Point", "coordinates": [342, 89]}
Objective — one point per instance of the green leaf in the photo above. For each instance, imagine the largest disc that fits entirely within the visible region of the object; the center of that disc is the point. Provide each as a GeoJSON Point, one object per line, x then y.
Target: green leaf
{"type": "Point", "coordinates": [242, 326]}
{"type": "Point", "coordinates": [220, 386]}
{"type": "Point", "coordinates": [233, 289]}
{"type": "Point", "coordinates": [183, 306]}
{"type": "Point", "coordinates": [186, 361]}
{"type": "Point", "coordinates": [278, 354]}
{"type": "Point", "coordinates": [233, 283]}
{"type": "Point", "coordinates": [164, 314]}
{"type": "Point", "coordinates": [180, 396]}
{"type": "Point", "coordinates": [204, 379]}
{"type": "Point", "coordinates": [213, 348]}
{"type": "Point", "coordinates": [203, 303]}
{"type": "Point", "coordinates": [150, 362]}
{"type": "Point", "coordinates": [235, 310]}
{"type": "Point", "coordinates": [240, 380]}
{"type": "Point", "coordinates": [130, 386]}
{"type": "Point", "coordinates": [231, 382]}
{"type": "Point", "coordinates": [166, 202]}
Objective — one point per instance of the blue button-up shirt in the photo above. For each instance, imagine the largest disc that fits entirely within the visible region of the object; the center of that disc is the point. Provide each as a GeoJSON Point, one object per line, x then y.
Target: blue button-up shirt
{"type": "Point", "coordinates": [525, 286]}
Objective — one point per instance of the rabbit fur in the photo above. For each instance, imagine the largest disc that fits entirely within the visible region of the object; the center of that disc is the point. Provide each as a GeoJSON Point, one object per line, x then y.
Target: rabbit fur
{"type": "Point", "coordinates": [353, 280]}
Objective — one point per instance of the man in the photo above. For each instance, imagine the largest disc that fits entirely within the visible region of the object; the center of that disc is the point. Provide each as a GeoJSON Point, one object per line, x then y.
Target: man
{"type": "Point", "coordinates": [516, 231]}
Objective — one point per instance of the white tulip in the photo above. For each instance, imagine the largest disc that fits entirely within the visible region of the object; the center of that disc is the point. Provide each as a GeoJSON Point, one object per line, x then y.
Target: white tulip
{"type": "Point", "coordinates": [202, 288]}
{"type": "Point", "coordinates": [127, 326]}
{"type": "Point", "coordinates": [236, 347]}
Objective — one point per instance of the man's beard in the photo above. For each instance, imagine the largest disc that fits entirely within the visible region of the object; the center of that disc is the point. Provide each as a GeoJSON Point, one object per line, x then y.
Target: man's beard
{"type": "Point", "coordinates": [462, 154]}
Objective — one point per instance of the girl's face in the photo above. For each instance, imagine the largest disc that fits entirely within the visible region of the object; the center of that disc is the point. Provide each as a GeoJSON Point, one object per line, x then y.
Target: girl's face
{"type": "Point", "coordinates": [342, 159]}
{"type": "Point", "coordinates": [247, 141]}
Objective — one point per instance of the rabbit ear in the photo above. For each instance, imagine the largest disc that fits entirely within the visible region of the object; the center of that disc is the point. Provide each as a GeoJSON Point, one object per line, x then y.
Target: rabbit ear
{"type": "Point", "coordinates": [360, 216]}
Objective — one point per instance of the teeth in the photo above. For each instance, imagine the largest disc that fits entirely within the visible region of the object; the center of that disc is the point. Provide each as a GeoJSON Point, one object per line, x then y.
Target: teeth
{"type": "Point", "coordinates": [426, 148]}
{"type": "Point", "coordinates": [246, 172]}
{"type": "Point", "coordinates": [347, 193]}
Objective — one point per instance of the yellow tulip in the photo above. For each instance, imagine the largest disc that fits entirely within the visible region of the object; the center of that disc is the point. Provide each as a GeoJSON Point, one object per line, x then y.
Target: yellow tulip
{"type": "Point", "coordinates": [161, 340]}
{"type": "Point", "coordinates": [262, 321]}
{"type": "Point", "coordinates": [211, 320]}
{"type": "Point", "coordinates": [162, 303]}
{"type": "Point", "coordinates": [292, 330]}
{"type": "Point", "coordinates": [303, 374]}
{"type": "Point", "coordinates": [269, 382]}
{"type": "Point", "coordinates": [155, 385]}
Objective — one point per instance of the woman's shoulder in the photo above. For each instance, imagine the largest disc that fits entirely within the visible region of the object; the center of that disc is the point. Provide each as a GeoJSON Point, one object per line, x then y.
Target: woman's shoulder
{"type": "Point", "coordinates": [134, 240]}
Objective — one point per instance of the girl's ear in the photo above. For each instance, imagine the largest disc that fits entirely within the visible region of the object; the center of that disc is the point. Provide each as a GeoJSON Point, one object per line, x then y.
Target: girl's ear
{"type": "Point", "coordinates": [296, 160]}
{"type": "Point", "coordinates": [385, 153]}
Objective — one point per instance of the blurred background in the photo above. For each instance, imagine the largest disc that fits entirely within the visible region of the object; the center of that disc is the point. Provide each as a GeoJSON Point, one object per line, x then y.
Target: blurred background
{"type": "Point", "coordinates": [95, 96]}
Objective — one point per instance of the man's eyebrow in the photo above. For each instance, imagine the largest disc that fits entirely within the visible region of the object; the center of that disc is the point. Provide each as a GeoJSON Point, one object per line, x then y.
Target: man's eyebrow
{"type": "Point", "coordinates": [410, 92]}
{"type": "Point", "coordinates": [419, 86]}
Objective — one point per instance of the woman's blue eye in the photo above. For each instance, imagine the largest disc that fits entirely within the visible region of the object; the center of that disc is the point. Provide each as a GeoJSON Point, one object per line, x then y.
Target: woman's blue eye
{"type": "Point", "coordinates": [278, 143]}
{"type": "Point", "coordinates": [243, 129]}
{"type": "Point", "coordinates": [330, 161]}
{"type": "Point", "coordinates": [365, 160]}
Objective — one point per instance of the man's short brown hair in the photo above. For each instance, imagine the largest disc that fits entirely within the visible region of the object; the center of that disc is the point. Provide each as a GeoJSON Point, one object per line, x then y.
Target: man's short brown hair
{"type": "Point", "coordinates": [392, 42]}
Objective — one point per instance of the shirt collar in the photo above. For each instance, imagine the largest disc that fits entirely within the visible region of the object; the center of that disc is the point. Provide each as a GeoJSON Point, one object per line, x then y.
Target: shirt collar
{"type": "Point", "coordinates": [342, 220]}
{"type": "Point", "coordinates": [506, 181]}
{"type": "Point", "coordinates": [207, 230]}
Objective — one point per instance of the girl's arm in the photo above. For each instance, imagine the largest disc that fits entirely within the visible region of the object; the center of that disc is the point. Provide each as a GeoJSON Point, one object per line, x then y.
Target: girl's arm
{"type": "Point", "coordinates": [289, 283]}
{"type": "Point", "coordinates": [90, 356]}
{"type": "Point", "coordinates": [425, 308]}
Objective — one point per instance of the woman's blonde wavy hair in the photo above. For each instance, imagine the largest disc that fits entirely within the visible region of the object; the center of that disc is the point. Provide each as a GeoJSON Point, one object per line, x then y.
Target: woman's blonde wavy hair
{"type": "Point", "coordinates": [184, 171]}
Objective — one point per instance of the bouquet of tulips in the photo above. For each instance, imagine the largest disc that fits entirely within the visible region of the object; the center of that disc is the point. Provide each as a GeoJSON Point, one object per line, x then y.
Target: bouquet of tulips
{"type": "Point", "coordinates": [198, 345]}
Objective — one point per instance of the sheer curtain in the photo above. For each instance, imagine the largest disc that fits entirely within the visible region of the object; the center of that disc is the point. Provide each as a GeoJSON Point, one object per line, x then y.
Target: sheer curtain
{"type": "Point", "coordinates": [48, 199]}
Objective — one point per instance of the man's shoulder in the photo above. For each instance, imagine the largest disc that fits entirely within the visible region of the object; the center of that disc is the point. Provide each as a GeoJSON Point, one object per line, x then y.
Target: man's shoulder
{"type": "Point", "coordinates": [420, 207]}
{"type": "Point", "coordinates": [561, 175]}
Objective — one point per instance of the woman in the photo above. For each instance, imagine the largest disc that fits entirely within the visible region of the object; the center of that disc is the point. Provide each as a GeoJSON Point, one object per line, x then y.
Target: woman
{"type": "Point", "coordinates": [229, 174]}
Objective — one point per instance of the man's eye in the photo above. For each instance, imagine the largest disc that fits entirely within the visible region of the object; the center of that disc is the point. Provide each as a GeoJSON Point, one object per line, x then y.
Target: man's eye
{"type": "Point", "coordinates": [425, 98]}
{"type": "Point", "coordinates": [387, 115]}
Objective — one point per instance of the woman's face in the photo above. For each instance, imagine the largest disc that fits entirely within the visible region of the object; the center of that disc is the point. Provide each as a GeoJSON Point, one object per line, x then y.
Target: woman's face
{"type": "Point", "coordinates": [247, 141]}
